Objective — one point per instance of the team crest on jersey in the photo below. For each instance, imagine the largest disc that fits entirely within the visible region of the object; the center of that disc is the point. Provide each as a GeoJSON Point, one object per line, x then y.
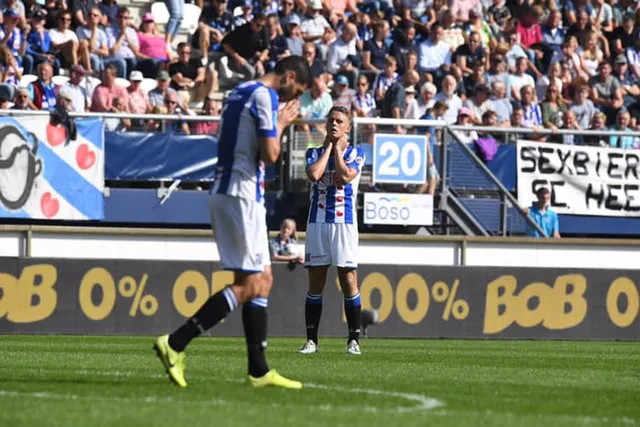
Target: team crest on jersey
{"type": "Point", "coordinates": [359, 160]}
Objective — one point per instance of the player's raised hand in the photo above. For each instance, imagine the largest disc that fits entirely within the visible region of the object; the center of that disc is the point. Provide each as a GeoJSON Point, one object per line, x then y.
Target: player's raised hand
{"type": "Point", "coordinates": [288, 113]}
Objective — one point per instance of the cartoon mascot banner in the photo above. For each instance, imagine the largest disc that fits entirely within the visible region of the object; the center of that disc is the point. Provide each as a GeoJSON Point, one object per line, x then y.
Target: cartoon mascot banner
{"type": "Point", "coordinates": [46, 175]}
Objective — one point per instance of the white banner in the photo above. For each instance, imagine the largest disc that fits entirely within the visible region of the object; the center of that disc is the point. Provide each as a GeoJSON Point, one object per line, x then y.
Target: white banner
{"type": "Point", "coordinates": [398, 209]}
{"type": "Point", "coordinates": [582, 180]}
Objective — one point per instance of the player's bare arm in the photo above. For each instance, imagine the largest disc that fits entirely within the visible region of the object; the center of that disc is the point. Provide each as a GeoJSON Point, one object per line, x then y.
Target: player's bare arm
{"type": "Point", "coordinates": [316, 170]}
{"type": "Point", "coordinates": [270, 148]}
{"type": "Point", "coordinates": [344, 174]}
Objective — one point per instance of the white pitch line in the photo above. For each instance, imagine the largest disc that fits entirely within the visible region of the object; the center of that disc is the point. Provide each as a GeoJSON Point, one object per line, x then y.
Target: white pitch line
{"type": "Point", "coordinates": [424, 403]}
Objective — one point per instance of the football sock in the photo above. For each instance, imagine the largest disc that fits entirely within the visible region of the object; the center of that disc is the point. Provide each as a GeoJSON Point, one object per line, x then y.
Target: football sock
{"type": "Point", "coordinates": [254, 319]}
{"type": "Point", "coordinates": [352, 313]}
{"type": "Point", "coordinates": [212, 311]}
{"type": "Point", "coordinates": [312, 313]}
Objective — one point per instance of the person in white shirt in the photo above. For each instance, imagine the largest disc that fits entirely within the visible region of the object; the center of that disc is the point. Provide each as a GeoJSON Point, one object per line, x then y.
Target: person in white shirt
{"type": "Point", "coordinates": [340, 51]}
{"type": "Point", "coordinates": [449, 97]}
{"type": "Point", "coordinates": [519, 79]}
{"type": "Point", "coordinates": [316, 29]}
{"type": "Point", "coordinates": [78, 94]}
{"type": "Point", "coordinates": [434, 55]}
{"type": "Point", "coordinates": [64, 41]}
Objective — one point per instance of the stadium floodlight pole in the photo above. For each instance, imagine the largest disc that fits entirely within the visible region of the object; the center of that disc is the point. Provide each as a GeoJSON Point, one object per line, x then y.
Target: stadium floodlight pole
{"type": "Point", "coordinates": [495, 180]}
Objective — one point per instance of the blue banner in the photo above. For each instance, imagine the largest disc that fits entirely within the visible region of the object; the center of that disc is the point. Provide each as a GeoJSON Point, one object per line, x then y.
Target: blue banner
{"type": "Point", "coordinates": [44, 176]}
{"type": "Point", "coordinates": [400, 159]}
{"type": "Point", "coordinates": [154, 156]}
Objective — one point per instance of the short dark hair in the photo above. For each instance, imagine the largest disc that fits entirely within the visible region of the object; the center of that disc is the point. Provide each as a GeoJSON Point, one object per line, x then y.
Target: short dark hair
{"type": "Point", "coordinates": [298, 65]}
{"type": "Point", "coordinates": [340, 109]}
{"type": "Point", "coordinates": [182, 45]}
{"type": "Point", "coordinates": [111, 67]}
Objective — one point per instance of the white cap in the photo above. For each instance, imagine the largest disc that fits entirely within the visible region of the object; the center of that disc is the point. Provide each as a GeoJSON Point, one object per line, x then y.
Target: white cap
{"type": "Point", "coordinates": [316, 4]}
{"type": "Point", "coordinates": [136, 76]}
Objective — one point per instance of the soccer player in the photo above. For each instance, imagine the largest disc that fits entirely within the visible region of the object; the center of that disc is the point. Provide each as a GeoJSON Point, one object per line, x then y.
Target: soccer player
{"type": "Point", "coordinates": [332, 226]}
{"type": "Point", "coordinates": [248, 137]}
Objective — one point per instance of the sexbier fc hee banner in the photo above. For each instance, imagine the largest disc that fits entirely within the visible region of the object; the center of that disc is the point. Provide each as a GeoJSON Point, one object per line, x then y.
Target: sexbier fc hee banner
{"type": "Point", "coordinates": [582, 180]}
{"type": "Point", "coordinates": [44, 175]}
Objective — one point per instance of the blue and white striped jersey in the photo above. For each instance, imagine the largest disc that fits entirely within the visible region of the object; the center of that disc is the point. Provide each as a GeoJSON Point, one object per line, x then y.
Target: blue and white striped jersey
{"type": "Point", "coordinates": [331, 203]}
{"type": "Point", "coordinates": [250, 112]}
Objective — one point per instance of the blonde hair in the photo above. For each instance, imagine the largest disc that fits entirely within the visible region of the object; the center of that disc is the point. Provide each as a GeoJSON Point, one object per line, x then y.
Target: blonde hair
{"type": "Point", "coordinates": [293, 224]}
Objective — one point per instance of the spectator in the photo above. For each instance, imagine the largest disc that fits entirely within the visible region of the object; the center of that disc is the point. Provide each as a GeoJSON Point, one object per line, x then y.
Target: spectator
{"type": "Point", "coordinates": [571, 58]}
{"type": "Point", "coordinates": [434, 55]}
{"type": "Point", "coordinates": [247, 14]}
{"type": "Point", "coordinates": [606, 93]}
{"type": "Point", "coordinates": [338, 10]}
{"type": "Point", "coordinates": [10, 72]}
{"type": "Point", "coordinates": [316, 101]}
{"type": "Point", "coordinates": [553, 108]}
{"type": "Point", "coordinates": [480, 27]}
{"type": "Point", "coordinates": [187, 75]}
{"type": "Point", "coordinates": [365, 106]}
{"type": "Point", "coordinates": [209, 108]}
{"type": "Point", "coordinates": [157, 95]}
{"type": "Point", "coordinates": [598, 123]}
{"type": "Point", "coordinates": [268, 7]}
{"type": "Point", "coordinates": [623, 119]}
{"type": "Point", "coordinates": [93, 45]}
{"type": "Point", "coordinates": [554, 77]}
{"type": "Point", "coordinates": [12, 37]}
{"type": "Point", "coordinates": [284, 246]}
{"type": "Point", "coordinates": [277, 43]}
{"type": "Point", "coordinates": [65, 100]}
{"type": "Point", "coordinates": [78, 94]}
{"type": "Point", "coordinates": [21, 100]}
{"type": "Point", "coordinates": [569, 123]}
{"type": "Point", "coordinates": [592, 55]}
{"type": "Point", "coordinates": [341, 93]}
{"type": "Point", "coordinates": [498, 15]}
{"type": "Point", "coordinates": [287, 15]}
{"type": "Point", "coordinates": [623, 8]}
{"type": "Point", "coordinates": [5, 100]}
{"type": "Point", "coordinates": [119, 105]}
{"type": "Point", "coordinates": [582, 28]}
{"type": "Point", "coordinates": [154, 51]}
{"type": "Point", "coordinates": [177, 126]}
{"type": "Point", "coordinates": [543, 215]}
{"type": "Point", "coordinates": [500, 103]}
{"type": "Point", "coordinates": [342, 52]}
{"type": "Point", "coordinates": [411, 111]}
{"type": "Point", "coordinates": [79, 9]}
{"type": "Point", "coordinates": [633, 57]}
{"type": "Point", "coordinates": [123, 44]}
{"type": "Point", "coordinates": [602, 16]}
{"type": "Point", "coordinates": [138, 99]}
{"type": "Point", "coordinates": [295, 42]}
{"type": "Point", "coordinates": [425, 100]}
{"type": "Point", "coordinates": [65, 41]}
{"type": "Point", "coordinates": [394, 103]}
{"type": "Point", "coordinates": [215, 22]}
{"type": "Point", "coordinates": [479, 104]}
{"type": "Point", "coordinates": [531, 110]}
{"type": "Point", "coordinates": [514, 52]}
{"type": "Point", "coordinates": [624, 36]}
{"type": "Point", "coordinates": [176, 13]}
{"type": "Point", "coordinates": [477, 78]}
{"type": "Point", "coordinates": [403, 45]}
{"type": "Point", "coordinates": [628, 84]}
{"type": "Point", "coordinates": [39, 46]}
{"type": "Point", "coordinates": [43, 93]}
{"type": "Point", "coordinates": [452, 34]}
{"type": "Point", "coordinates": [519, 79]}
{"type": "Point", "coordinates": [247, 48]}
{"type": "Point", "coordinates": [469, 53]}
{"type": "Point", "coordinates": [434, 113]}
{"type": "Point", "coordinates": [452, 100]}
{"type": "Point", "coordinates": [15, 5]}
{"type": "Point", "coordinates": [386, 79]}
{"type": "Point", "coordinates": [553, 34]}
{"type": "Point", "coordinates": [156, 125]}
{"type": "Point", "coordinates": [309, 54]}
{"type": "Point", "coordinates": [497, 70]}
{"type": "Point", "coordinates": [109, 12]}
{"type": "Point", "coordinates": [54, 9]}
{"type": "Point", "coordinates": [316, 29]}
{"type": "Point", "coordinates": [375, 49]}
{"type": "Point", "coordinates": [464, 119]}
{"type": "Point", "coordinates": [583, 108]}
{"type": "Point", "coordinates": [108, 91]}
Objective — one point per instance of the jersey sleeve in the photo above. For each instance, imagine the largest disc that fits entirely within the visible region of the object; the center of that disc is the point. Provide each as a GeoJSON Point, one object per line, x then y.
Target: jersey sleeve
{"type": "Point", "coordinates": [312, 155]}
{"type": "Point", "coordinates": [354, 158]}
{"type": "Point", "coordinates": [265, 111]}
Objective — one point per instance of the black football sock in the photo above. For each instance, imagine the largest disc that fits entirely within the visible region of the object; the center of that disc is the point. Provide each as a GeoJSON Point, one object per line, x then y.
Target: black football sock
{"type": "Point", "coordinates": [254, 319]}
{"type": "Point", "coordinates": [312, 313]}
{"type": "Point", "coordinates": [352, 312]}
{"type": "Point", "coordinates": [212, 311]}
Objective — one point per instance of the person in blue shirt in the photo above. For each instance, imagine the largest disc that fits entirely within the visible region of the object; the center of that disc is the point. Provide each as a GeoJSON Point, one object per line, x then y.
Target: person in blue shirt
{"type": "Point", "coordinates": [543, 215]}
{"type": "Point", "coordinates": [39, 46]}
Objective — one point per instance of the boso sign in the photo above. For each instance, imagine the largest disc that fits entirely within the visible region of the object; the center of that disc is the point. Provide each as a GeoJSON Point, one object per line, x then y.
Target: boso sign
{"type": "Point", "coordinates": [398, 209]}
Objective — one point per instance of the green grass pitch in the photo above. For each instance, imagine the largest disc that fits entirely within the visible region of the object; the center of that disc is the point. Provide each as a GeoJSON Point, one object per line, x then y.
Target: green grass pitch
{"type": "Point", "coordinates": [117, 381]}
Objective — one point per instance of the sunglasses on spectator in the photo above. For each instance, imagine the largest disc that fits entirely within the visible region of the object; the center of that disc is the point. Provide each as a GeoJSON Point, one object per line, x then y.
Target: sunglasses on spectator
{"type": "Point", "coordinates": [169, 102]}
{"type": "Point", "coordinates": [362, 83]}
{"type": "Point", "coordinates": [95, 15]}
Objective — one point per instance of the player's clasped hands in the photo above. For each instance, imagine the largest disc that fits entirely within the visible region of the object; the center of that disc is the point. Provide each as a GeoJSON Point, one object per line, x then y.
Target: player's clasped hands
{"type": "Point", "coordinates": [289, 113]}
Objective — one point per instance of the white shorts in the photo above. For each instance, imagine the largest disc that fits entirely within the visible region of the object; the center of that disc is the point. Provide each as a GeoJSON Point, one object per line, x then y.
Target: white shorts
{"type": "Point", "coordinates": [240, 229]}
{"type": "Point", "coordinates": [331, 244]}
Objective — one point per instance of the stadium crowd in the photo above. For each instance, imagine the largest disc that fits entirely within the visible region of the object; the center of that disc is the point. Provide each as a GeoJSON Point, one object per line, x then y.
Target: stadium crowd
{"type": "Point", "coordinates": [566, 64]}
